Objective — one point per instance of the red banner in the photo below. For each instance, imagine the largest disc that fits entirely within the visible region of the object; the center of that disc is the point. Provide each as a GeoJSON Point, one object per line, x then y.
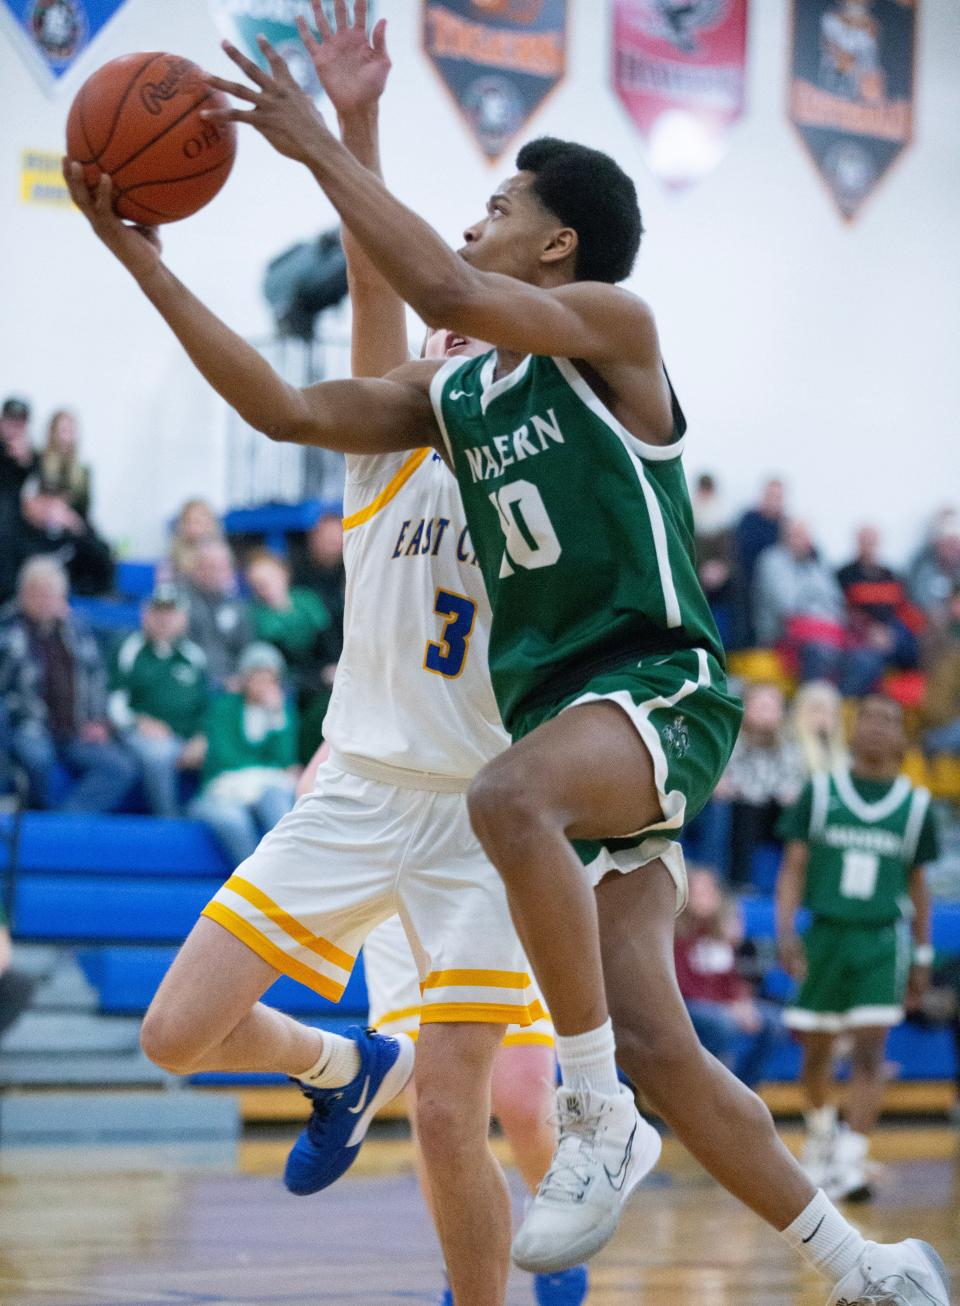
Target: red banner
{"type": "Point", "coordinates": [679, 67]}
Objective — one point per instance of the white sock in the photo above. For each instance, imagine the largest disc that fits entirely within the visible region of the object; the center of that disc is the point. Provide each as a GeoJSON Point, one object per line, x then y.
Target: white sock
{"type": "Point", "coordinates": [589, 1060]}
{"type": "Point", "coordinates": [825, 1238]}
{"type": "Point", "coordinates": [821, 1121]}
{"type": "Point", "coordinates": [337, 1064]}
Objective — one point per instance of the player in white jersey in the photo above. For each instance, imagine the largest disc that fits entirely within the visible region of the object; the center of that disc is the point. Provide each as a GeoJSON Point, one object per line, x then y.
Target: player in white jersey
{"type": "Point", "coordinates": [384, 831]}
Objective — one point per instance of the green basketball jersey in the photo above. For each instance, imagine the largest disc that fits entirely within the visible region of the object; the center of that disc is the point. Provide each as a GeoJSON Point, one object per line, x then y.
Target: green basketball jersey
{"type": "Point", "coordinates": [863, 838]}
{"type": "Point", "coordinates": [584, 533]}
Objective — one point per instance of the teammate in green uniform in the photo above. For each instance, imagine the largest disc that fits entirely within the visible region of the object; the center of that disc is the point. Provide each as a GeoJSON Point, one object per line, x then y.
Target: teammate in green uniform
{"type": "Point", "coordinates": [858, 844]}
{"type": "Point", "coordinates": [606, 664]}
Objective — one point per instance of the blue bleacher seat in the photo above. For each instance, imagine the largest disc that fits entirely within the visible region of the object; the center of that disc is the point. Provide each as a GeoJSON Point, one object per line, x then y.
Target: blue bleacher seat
{"type": "Point", "coordinates": [135, 580]}
{"type": "Point", "coordinates": [129, 888]}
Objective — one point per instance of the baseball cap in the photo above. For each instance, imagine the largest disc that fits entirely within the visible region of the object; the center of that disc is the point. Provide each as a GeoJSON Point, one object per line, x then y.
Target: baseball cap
{"type": "Point", "coordinates": [17, 410]}
{"type": "Point", "coordinates": [261, 657]}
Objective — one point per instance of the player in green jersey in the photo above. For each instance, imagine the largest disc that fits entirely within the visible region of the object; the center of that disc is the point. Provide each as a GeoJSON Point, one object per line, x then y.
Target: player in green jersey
{"type": "Point", "coordinates": [858, 841]}
{"type": "Point", "coordinates": [628, 721]}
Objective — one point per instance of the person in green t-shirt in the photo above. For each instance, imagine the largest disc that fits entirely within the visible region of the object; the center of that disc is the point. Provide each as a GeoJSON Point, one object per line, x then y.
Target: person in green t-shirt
{"type": "Point", "coordinates": [250, 772]}
{"type": "Point", "coordinates": [158, 698]}
{"type": "Point", "coordinates": [858, 841]}
{"type": "Point", "coordinates": [294, 619]}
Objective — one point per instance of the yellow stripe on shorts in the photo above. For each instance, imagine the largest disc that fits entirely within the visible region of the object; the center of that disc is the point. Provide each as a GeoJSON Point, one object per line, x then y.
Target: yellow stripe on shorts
{"type": "Point", "coordinates": [270, 953]}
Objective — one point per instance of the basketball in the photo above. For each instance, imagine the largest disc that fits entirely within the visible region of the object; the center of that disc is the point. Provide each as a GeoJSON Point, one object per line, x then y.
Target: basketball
{"type": "Point", "coordinates": [138, 120]}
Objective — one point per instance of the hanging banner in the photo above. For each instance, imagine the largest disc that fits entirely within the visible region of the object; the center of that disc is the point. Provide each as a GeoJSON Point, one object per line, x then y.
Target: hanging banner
{"type": "Point", "coordinates": [679, 68]}
{"type": "Point", "coordinates": [499, 59]}
{"type": "Point", "coordinates": [41, 180]}
{"type": "Point", "coordinates": [53, 34]}
{"type": "Point", "coordinates": [242, 21]}
{"type": "Point", "coordinates": [851, 90]}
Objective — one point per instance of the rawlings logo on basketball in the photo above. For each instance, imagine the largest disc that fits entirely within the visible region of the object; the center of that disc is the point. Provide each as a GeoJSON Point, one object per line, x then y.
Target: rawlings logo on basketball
{"type": "Point", "coordinates": [58, 27]}
{"type": "Point", "coordinates": [180, 75]}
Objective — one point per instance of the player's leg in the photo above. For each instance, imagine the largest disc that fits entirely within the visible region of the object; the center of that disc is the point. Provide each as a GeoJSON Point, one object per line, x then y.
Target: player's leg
{"type": "Point", "coordinates": [468, 1191]}
{"type": "Point", "coordinates": [522, 1093]}
{"type": "Point", "coordinates": [583, 773]}
{"type": "Point", "coordinates": [206, 1014]}
{"type": "Point", "coordinates": [820, 1108]}
{"type": "Point", "coordinates": [848, 1179]}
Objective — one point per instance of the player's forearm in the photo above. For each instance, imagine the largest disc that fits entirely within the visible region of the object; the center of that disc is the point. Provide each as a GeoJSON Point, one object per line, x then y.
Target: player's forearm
{"type": "Point", "coordinates": [232, 366]}
{"type": "Point", "coordinates": [422, 269]}
{"type": "Point", "coordinates": [379, 327]}
{"type": "Point", "coordinates": [789, 891]}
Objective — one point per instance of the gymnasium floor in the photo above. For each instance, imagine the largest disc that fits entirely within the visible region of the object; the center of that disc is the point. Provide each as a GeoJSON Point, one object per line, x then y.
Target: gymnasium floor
{"type": "Point", "coordinates": [151, 1228]}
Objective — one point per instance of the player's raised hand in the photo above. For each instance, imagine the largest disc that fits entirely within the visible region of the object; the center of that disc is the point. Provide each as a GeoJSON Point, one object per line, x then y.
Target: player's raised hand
{"type": "Point", "coordinates": [137, 248]}
{"type": "Point", "coordinates": [352, 67]}
{"type": "Point", "coordinates": [282, 113]}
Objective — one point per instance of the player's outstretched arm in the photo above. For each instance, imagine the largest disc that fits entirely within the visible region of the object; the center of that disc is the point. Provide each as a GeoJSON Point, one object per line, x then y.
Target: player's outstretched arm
{"type": "Point", "coordinates": [362, 416]}
{"type": "Point", "coordinates": [353, 70]}
{"type": "Point", "coordinates": [591, 321]}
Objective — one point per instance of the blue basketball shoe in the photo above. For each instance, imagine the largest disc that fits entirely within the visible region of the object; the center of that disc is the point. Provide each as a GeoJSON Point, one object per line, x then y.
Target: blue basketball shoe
{"type": "Point", "coordinates": [338, 1124]}
{"type": "Point", "coordinates": [567, 1288]}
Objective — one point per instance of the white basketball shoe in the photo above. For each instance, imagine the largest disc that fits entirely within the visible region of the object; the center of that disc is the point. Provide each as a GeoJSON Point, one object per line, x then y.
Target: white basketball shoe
{"type": "Point", "coordinates": [606, 1148]}
{"type": "Point", "coordinates": [895, 1274]}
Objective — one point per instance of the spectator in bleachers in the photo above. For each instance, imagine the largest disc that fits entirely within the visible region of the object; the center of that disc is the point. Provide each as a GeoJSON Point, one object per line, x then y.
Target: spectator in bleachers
{"type": "Point", "coordinates": [935, 573]}
{"type": "Point", "coordinates": [250, 773]}
{"type": "Point", "coordinates": [764, 776]}
{"type": "Point", "coordinates": [59, 468]}
{"type": "Point", "coordinates": [816, 718]}
{"type": "Point", "coordinates": [218, 616]}
{"type": "Point", "coordinates": [53, 684]}
{"type": "Point", "coordinates": [17, 462]}
{"type": "Point", "coordinates": [881, 620]}
{"type": "Point", "coordinates": [798, 605]}
{"type": "Point", "coordinates": [50, 526]}
{"type": "Point", "coordinates": [940, 710]}
{"type": "Point", "coordinates": [159, 698]}
{"type": "Point", "coordinates": [295, 620]}
{"type": "Point", "coordinates": [196, 522]}
{"type": "Point", "coordinates": [720, 1001]}
{"type": "Point", "coordinates": [758, 529]}
{"type": "Point", "coordinates": [713, 539]}
{"type": "Point", "coordinates": [321, 569]}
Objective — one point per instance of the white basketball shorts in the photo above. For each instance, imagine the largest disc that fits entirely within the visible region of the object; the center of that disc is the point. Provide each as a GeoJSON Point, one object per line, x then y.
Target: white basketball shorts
{"type": "Point", "coordinates": [353, 853]}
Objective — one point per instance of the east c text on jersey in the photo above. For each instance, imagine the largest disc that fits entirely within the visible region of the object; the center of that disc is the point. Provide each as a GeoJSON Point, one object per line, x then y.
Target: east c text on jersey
{"type": "Point", "coordinates": [427, 535]}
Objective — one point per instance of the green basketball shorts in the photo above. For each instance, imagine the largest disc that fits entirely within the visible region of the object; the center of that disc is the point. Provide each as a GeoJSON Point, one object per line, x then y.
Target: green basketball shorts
{"type": "Point", "coordinates": [856, 977]}
{"type": "Point", "coordinates": [688, 720]}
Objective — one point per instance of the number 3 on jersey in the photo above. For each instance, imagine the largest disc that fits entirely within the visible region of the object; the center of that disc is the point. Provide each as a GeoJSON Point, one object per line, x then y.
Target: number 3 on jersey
{"type": "Point", "coordinates": [531, 540]}
{"type": "Point", "coordinates": [447, 656]}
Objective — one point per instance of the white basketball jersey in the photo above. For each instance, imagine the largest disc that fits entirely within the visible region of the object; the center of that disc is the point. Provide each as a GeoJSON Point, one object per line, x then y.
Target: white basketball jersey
{"type": "Point", "coordinates": [412, 692]}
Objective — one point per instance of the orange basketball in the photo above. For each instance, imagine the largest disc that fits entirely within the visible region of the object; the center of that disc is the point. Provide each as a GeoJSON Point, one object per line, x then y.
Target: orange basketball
{"type": "Point", "coordinates": [138, 119]}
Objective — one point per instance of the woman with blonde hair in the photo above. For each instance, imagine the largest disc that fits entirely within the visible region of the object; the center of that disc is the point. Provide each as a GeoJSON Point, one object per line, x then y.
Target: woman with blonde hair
{"type": "Point", "coordinates": [817, 721]}
{"type": "Point", "coordinates": [194, 524]}
{"type": "Point", "coordinates": [59, 469]}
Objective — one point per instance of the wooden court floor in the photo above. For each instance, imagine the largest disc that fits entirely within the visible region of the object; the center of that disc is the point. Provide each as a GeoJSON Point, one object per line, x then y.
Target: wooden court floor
{"type": "Point", "coordinates": [155, 1228]}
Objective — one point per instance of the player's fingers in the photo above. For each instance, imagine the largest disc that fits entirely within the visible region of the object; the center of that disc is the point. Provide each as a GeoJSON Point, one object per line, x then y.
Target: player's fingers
{"type": "Point", "coordinates": [379, 38]}
{"type": "Point", "coordinates": [310, 42]}
{"type": "Point", "coordinates": [278, 65]}
{"type": "Point", "coordinates": [230, 115]}
{"type": "Point", "coordinates": [320, 18]}
{"type": "Point", "coordinates": [236, 89]}
{"type": "Point", "coordinates": [103, 196]}
{"type": "Point", "coordinates": [253, 71]}
{"type": "Point", "coordinates": [360, 15]}
{"type": "Point", "coordinates": [340, 14]}
{"type": "Point", "coordinates": [79, 192]}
